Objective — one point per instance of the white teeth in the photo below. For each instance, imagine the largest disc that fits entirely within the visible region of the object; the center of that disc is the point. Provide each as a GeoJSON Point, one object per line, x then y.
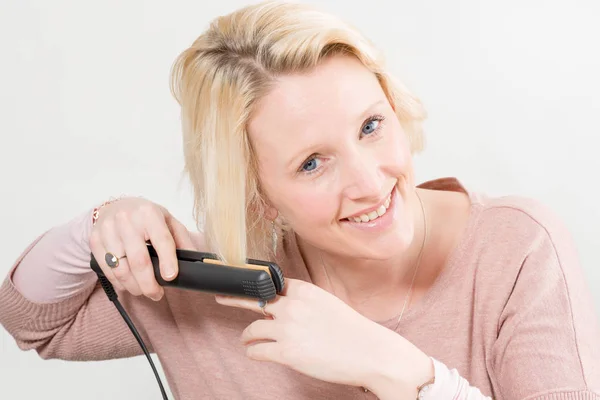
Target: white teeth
{"type": "Point", "coordinates": [373, 214]}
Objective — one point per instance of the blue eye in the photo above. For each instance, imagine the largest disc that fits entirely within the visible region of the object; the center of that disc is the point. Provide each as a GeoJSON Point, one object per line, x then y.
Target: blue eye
{"type": "Point", "coordinates": [370, 127]}
{"type": "Point", "coordinates": [310, 165]}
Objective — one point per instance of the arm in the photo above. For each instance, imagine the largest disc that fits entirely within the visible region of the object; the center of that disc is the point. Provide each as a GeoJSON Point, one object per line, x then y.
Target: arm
{"type": "Point", "coordinates": [548, 343]}
{"type": "Point", "coordinates": [50, 301]}
{"type": "Point", "coordinates": [56, 265]}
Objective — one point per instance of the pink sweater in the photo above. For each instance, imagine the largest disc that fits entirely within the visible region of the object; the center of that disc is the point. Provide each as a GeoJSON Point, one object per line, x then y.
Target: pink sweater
{"type": "Point", "coordinates": [510, 315]}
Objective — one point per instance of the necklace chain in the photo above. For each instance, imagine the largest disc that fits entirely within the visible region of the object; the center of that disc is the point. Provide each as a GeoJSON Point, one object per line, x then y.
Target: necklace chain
{"type": "Point", "coordinates": [408, 295]}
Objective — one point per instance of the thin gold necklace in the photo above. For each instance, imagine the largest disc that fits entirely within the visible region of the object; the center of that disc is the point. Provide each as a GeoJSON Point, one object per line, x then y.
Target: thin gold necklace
{"type": "Point", "coordinates": [408, 295]}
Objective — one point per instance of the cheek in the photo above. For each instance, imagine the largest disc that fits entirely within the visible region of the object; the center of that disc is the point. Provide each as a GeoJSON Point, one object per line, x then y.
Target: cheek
{"type": "Point", "coordinates": [307, 208]}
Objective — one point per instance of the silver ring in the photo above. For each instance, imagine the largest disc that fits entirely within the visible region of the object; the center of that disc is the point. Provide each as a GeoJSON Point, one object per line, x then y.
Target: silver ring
{"type": "Point", "coordinates": [262, 304]}
{"type": "Point", "coordinates": [112, 260]}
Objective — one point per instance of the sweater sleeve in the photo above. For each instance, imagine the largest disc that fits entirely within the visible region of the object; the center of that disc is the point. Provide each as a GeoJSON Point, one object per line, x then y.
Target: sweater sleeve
{"type": "Point", "coordinates": [57, 264]}
{"type": "Point", "coordinates": [451, 386]}
{"type": "Point", "coordinates": [51, 301]}
{"type": "Point", "coordinates": [548, 339]}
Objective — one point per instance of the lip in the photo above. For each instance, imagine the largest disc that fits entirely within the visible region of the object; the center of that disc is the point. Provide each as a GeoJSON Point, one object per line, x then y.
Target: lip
{"type": "Point", "coordinates": [381, 224]}
{"type": "Point", "coordinates": [374, 208]}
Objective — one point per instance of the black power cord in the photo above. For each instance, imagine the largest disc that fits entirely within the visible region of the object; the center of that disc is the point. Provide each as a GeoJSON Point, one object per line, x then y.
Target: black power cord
{"type": "Point", "coordinates": [112, 296]}
{"type": "Point", "coordinates": [194, 273]}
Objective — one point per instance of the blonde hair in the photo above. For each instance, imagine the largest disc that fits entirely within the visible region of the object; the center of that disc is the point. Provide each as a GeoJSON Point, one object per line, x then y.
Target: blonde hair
{"type": "Point", "coordinates": [219, 79]}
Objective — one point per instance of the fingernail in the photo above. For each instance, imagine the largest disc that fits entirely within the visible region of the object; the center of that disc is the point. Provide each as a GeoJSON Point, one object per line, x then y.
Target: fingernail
{"type": "Point", "coordinates": [156, 297]}
{"type": "Point", "coordinates": [221, 299]}
{"type": "Point", "coordinates": [170, 272]}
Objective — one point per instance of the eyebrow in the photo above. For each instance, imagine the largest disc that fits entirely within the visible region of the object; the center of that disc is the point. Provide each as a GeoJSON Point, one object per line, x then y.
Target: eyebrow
{"type": "Point", "coordinates": [309, 150]}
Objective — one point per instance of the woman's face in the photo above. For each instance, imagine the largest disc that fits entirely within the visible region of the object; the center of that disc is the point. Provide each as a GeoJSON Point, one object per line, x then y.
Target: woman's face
{"type": "Point", "coordinates": [334, 161]}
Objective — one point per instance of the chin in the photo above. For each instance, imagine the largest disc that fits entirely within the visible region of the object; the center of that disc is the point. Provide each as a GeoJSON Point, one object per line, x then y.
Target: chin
{"type": "Point", "coordinates": [384, 247]}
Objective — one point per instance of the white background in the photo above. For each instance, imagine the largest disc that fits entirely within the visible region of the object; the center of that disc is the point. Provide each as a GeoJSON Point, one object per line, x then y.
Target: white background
{"type": "Point", "coordinates": [512, 89]}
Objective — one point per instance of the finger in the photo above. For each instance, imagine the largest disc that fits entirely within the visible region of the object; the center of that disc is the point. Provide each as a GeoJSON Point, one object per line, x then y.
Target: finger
{"type": "Point", "coordinates": [271, 307]}
{"type": "Point", "coordinates": [291, 287]}
{"type": "Point", "coordinates": [99, 252]}
{"type": "Point", "coordinates": [269, 351]}
{"type": "Point", "coordinates": [181, 235]}
{"type": "Point", "coordinates": [137, 256]}
{"type": "Point", "coordinates": [296, 288]}
{"type": "Point", "coordinates": [112, 243]}
{"type": "Point", "coordinates": [261, 329]}
{"type": "Point", "coordinates": [157, 231]}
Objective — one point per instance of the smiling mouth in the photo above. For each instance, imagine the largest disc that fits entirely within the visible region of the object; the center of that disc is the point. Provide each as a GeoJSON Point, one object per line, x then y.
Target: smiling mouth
{"type": "Point", "coordinates": [373, 215]}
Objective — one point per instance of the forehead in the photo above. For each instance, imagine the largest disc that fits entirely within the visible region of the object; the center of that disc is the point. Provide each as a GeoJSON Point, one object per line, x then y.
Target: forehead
{"type": "Point", "coordinates": [300, 106]}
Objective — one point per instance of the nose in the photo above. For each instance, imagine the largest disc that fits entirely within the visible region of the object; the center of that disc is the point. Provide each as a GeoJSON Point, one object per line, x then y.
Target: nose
{"type": "Point", "coordinates": [364, 179]}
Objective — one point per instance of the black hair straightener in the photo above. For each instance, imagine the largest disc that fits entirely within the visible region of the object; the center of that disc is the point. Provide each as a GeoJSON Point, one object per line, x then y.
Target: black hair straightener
{"type": "Point", "coordinates": [204, 272]}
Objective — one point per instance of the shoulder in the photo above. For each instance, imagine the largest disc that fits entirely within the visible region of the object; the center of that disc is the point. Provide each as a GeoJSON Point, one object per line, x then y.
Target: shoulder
{"type": "Point", "coordinates": [520, 221]}
{"type": "Point", "coordinates": [503, 231]}
{"type": "Point", "coordinates": [510, 218]}
{"type": "Point", "coordinates": [520, 241]}
{"type": "Point", "coordinates": [532, 293]}
{"type": "Point", "coordinates": [501, 224]}
{"type": "Point", "coordinates": [519, 252]}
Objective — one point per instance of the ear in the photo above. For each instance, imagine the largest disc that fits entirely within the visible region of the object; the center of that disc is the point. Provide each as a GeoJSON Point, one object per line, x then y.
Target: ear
{"type": "Point", "coordinates": [271, 213]}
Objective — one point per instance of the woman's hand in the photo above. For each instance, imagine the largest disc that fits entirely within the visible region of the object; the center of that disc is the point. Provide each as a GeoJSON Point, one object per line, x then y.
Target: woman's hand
{"type": "Point", "coordinates": [122, 228]}
{"type": "Point", "coordinates": [317, 334]}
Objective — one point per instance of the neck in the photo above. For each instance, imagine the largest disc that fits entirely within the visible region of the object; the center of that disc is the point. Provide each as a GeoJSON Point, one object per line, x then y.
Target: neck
{"type": "Point", "coordinates": [367, 284]}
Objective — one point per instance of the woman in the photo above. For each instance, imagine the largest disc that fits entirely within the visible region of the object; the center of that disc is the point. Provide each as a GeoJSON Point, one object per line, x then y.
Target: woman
{"type": "Point", "coordinates": [298, 144]}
